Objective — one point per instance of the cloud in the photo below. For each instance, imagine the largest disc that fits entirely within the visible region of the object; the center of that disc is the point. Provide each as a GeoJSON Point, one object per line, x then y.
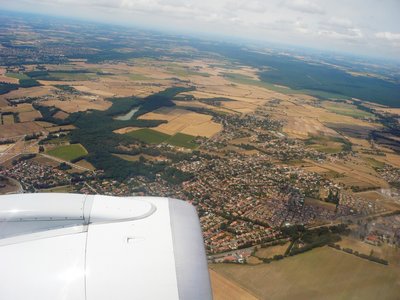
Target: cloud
{"type": "Point", "coordinates": [338, 22]}
{"type": "Point", "coordinates": [349, 35]}
{"type": "Point", "coordinates": [304, 6]}
{"type": "Point", "coordinates": [339, 29]}
{"type": "Point", "coordinates": [301, 27]}
{"type": "Point", "coordinates": [254, 6]}
{"type": "Point", "coordinates": [348, 25]}
{"type": "Point", "coordinates": [390, 36]}
{"type": "Point", "coordinates": [390, 39]}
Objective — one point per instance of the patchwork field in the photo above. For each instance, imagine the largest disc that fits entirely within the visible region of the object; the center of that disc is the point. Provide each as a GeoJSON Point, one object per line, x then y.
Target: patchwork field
{"type": "Point", "coordinates": [126, 130]}
{"type": "Point", "coordinates": [9, 185]}
{"type": "Point", "coordinates": [224, 289]}
{"type": "Point", "coordinates": [17, 75]}
{"type": "Point", "coordinates": [60, 128]}
{"type": "Point", "coordinates": [37, 91]}
{"type": "Point", "coordinates": [183, 121]}
{"type": "Point", "coordinates": [346, 110]}
{"type": "Point", "coordinates": [198, 104]}
{"type": "Point", "coordinates": [323, 273]}
{"type": "Point", "coordinates": [326, 144]}
{"type": "Point", "coordinates": [304, 116]}
{"type": "Point", "coordinates": [18, 129]}
{"type": "Point", "coordinates": [7, 119]}
{"type": "Point", "coordinates": [5, 77]}
{"type": "Point", "coordinates": [378, 160]}
{"type": "Point", "coordinates": [352, 173]}
{"type": "Point", "coordinates": [137, 157]}
{"type": "Point", "coordinates": [29, 116]}
{"type": "Point", "coordinates": [151, 136]}
{"type": "Point", "coordinates": [82, 103]}
{"type": "Point", "coordinates": [85, 164]}
{"type": "Point", "coordinates": [182, 140]}
{"type": "Point", "coordinates": [302, 127]}
{"type": "Point", "coordinates": [59, 189]}
{"type": "Point", "coordinates": [23, 107]}
{"type": "Point", "coordinates": [61, 115]}
{"type": "Point", "coordinates": [8, 79]}
{"type": "Point", "coordinates": [68, 152]}
{"type": "Point", "coordinates": [361, 247]}
{"type": "Point", "coordinates": [94, 91]}
{"type": "Point", "coordinates": [4, 147]}
{"type": "Point", "coordinates": [269, 252]}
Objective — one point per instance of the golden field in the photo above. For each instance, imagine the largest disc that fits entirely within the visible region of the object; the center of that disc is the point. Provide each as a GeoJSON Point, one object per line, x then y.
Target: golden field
{"type": "Point", "coordinates": [183, 121]}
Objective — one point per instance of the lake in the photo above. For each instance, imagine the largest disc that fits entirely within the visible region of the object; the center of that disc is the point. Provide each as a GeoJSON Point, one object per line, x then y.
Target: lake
{"type": "Point", "coordinates": [128, 115]}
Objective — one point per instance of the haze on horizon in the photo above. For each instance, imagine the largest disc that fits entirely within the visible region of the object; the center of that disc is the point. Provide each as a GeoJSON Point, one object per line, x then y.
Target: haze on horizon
{"type": "Point", "coordinates": [363, 27]}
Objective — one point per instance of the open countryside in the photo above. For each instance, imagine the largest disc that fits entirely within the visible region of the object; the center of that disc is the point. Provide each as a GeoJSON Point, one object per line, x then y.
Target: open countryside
{"type": "Point", "coordinates": [291, 158]}
{"type": "Point", "coordinates": [69, 152]}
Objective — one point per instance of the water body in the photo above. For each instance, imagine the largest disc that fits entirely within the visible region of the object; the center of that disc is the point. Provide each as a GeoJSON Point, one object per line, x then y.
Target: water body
{"type": "Point", "coordinates": [128, 115]}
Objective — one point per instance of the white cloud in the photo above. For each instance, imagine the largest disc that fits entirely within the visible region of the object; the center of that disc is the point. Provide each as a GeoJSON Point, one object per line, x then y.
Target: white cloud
{"type": "Point", "coordinates": [348, 25]}
{"type": "Point", "coordinates": [304, 6]}
{"type": "Point", "coordinates": [338, 22]}
{"type": "Point", "coordinates": [350, 35]}
{"type": "Point", "coordinates": [390, 36]}
{"type": "Point", "coordinates": [301, 27]}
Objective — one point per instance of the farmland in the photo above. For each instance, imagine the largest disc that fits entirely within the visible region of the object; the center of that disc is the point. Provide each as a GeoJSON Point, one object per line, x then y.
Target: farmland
{"type": "Point", "coordinates": [68, 152]}
{"type": "Point", "coordinates": [19, 129]}
{"type": "Point", "coordinates": [17, 75]}
{"type": "Point", "coordinates": [271, 251]}
{"type": "Point", "coordinates": [224, 289]}
{"type": "Point", "coordinates": [8, 185]}
{"type": "Point", "coordinates": [327, 144]}
{"type": "Point", "coordinates": [182, 140]}
{"type": "Point", "coordinates": [346, 110]}
{"type": "Point", "coordinates": [7, 119]}
{"type": "Point", "coordinates": [77, 104]}
{"type": "Point", "coordinates": [149, 136]}
{"type": "Point", "coordinates": [322, 273]}
{"type": "Point", "coordinates": [29, 116]}
{"type": "Point", "coordinates": [183, 121]}
{"type": "Point", "coordinates": [231, 130]}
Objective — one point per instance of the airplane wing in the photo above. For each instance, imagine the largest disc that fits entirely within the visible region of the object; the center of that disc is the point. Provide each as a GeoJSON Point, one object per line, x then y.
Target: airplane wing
{"type": "Point", "coordinates": [70, 246]}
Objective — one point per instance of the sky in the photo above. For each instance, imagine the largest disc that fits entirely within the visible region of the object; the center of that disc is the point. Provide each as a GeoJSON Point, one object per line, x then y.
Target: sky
{"type": "Point", "coordinates": [363, 27]}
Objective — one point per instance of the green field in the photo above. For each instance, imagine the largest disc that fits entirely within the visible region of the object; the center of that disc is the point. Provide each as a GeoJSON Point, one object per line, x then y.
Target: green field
{"type": "Point", "coordinates": [182, 140]}
{"type": "Point", "coordinates": [326, 144]}
{"type": "Point", "coordinates": [68, 152]}
{"type": "Point", "coordinates": [374, 163]}
{"type": "Point", "coordinates": [139, 77]}
{"type": "Point", "coordinates": [313, 78]}
{"type": "Point", "coordinates": [323, 273]}
{"type": "Point", "coordinates": [347, 110]}
{"type": "Point", "coordinates": [149, 136]}
{"type": "Point", "coordinates": [59, 189]}
{"type": "Point", "coordinates": [57, 141]}
{"type": "Point", "coordinates": [62, 75]}
{"type": "Point", "coordinates": [17, 75]}
{"type": "Point", "coordinates": [243, 79]}
{"type": "Point", "coordinates": [184, 71]}
{"type": "Point", "coordinates": [329, 148]}
{"type": "Point", "coordinates": [70, 76]}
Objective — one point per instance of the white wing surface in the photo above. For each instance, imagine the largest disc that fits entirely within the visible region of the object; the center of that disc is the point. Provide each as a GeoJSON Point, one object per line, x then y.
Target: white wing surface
{"type": "Point", "coordinates": [69, 246]}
